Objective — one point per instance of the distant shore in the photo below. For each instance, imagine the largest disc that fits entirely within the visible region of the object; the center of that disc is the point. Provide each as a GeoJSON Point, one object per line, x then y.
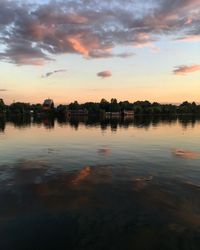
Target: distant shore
{"type": "Point", "coordinates": [111, 108]}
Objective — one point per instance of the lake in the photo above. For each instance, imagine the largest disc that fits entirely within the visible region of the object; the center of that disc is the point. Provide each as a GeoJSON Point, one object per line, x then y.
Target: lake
{"type": "Point", "coordinates": [100, 184]}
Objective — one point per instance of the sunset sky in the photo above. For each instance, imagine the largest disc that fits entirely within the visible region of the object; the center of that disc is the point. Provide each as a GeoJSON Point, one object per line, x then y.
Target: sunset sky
{"type": "Point", "coordinates": [86, 50]}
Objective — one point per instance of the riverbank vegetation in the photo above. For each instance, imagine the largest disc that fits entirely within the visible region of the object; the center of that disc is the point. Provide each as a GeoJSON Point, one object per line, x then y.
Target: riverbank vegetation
{"type": "Point", "coordinates": [101, 108]}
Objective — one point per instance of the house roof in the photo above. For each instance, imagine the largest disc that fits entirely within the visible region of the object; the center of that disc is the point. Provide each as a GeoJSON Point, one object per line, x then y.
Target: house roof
{"type": "Point", "coordinates": [48, 102]}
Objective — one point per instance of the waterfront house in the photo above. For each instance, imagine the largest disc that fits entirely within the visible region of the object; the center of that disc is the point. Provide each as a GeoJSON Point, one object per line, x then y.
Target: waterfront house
{"type": "Point", "coordinates": [48, 105]}
{"type": "Point", "coordinates": [113, 114]}
{"type": "Point", "coordinates": [128, 113]}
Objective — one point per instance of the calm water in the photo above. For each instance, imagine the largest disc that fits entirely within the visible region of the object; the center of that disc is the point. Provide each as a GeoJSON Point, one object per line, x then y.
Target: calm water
{"type": "Point", "coordinates": [109, 184]}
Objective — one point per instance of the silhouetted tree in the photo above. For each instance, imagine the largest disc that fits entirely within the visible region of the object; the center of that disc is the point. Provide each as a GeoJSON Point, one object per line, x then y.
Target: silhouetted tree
{"type": "Point", "coordinates": [20, 108]}
{"type": "Point", "coordinates": [2, 106]}
{"type": "Point", "coordinates": [104, 105]}
{"type": "Point", "coordinates": [61, 109]}
{"type": "Point", "coordinates": [36, 108]}
{"type": "Point", "coordinates": [114, 106]}
{"type": "Point", "coordinates": [74, 106]}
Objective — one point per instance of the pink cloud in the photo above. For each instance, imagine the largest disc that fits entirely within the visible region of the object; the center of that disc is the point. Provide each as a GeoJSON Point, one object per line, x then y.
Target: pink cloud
{"type": "Point", "coordinates": [143, 40]}
{"type": "Point", "coordinates": [183, 70]}
{"type": "Point", "coordinates": [39, 31]}
{"type": "Point", "coordinates": [104, 74]}
{"type": "Point", "coordinates": [25, 60]}
{"type": "Point", "coordinates": [191, 38]}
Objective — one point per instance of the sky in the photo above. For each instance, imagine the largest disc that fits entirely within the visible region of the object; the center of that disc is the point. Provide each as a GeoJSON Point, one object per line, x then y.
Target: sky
{"type": "Point", "coordinates": [86, 50]}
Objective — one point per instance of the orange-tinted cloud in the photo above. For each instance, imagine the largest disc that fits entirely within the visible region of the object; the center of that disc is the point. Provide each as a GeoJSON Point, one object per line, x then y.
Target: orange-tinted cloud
{"type": "Point", "coordinates": [78, 46]}
{"type": "Point", "coordinates": [183, 70]}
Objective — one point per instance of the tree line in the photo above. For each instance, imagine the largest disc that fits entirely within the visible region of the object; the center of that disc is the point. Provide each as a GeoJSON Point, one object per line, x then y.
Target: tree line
{"type": "Point", "coordinates": [97, 108]}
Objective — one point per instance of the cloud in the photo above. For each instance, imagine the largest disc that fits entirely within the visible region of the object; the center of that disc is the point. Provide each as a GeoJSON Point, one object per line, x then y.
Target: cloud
{"type": "Point", "coordinates": [33, 34]}
{"type": "Point", "coordinates": [109, 54]}
{"type": "Point", "coordinates": [124, 55]}
{"type": "Point", "coordinates": [192, 38]}
{"type": "Point", "coordinates": [24, 53]}
{"type": "Point", "coordinates": [3, 90]}
{"type": "Point", "coordinates": [48, 74]}
{"type": "Point", "coordinates": [104, 74]}
{"type": "Point", "coordinates": [183, 69]}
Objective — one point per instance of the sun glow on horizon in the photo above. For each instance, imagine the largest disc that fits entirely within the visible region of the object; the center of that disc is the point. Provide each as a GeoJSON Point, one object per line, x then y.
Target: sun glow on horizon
{"type": "Point", "coordinates": [86, 55]}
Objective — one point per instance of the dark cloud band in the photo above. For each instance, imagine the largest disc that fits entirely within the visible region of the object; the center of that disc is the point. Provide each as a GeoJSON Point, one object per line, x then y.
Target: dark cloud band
{"type": "Point", "coordinates": [33, 34]}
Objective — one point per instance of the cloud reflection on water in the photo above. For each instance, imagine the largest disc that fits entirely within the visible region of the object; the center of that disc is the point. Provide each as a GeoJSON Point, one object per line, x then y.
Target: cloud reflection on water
{"type": "Point", "coordinates": [186, 154]}
{"type": "Point", "coordinates": [104, 151]}
{"type": "Point", "coordinates": [63, 186]}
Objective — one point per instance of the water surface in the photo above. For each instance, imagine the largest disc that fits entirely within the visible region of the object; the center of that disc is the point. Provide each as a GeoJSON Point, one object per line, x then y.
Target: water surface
{"type": "Point", "coordinates": [100, 184]}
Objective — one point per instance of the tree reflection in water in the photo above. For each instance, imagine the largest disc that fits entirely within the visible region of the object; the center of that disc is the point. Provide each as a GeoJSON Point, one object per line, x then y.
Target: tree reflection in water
{"type": "Point", "coordinates": [138, 121]}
